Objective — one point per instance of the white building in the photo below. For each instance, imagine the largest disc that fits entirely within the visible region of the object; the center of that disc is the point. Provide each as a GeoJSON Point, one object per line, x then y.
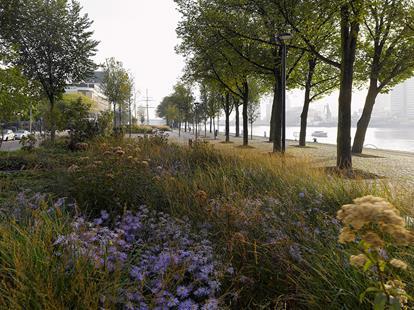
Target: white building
{"type": "Point", "coordinates": [92, 89]}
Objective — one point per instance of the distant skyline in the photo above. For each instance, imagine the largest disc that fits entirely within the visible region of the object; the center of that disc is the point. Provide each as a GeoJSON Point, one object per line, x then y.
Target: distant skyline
{"type": "Point", "coordinates": [140, 34]}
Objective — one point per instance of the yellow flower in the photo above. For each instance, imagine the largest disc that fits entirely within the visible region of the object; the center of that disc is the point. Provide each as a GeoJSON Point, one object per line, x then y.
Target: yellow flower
{"type": "Point", "coordinates": [373, 239]}
{"type": "Point", "coordinates": [368, 211]}
{"type": "Point", "coordinates": [347, 235]}
{"type": "Point", "coordinates": [358, 260]}
{"type": "Point", "coordinates": [398, 264]}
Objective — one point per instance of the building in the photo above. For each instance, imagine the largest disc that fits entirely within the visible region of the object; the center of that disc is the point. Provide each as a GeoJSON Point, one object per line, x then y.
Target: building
{"type": "Point", "coordinates": [402, 100]}
{"type": "Point", "coordinates": [92, 89]}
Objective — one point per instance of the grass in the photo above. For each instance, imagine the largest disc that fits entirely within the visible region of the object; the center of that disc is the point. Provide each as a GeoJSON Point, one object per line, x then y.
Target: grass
{"type": "Point", "coordinates": [272, 219]}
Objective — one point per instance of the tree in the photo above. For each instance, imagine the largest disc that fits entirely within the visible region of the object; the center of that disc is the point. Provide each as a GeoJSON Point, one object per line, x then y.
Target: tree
{"type": "Point", "coordinates": [210, 57]}
{"type": "Point", "coordinates": [117, 85]}
{"type": "Point", "coordinates": [177, 106]}
{"type": "Point", "coordinates": [253, 113]}
{"type": "Point", "coordinates": [321, 79]}
{"type": "Point", "coordinates": [17, 94]}
{"type": "Point", "coordinates": [141, 115]}
{"type": "Point", "coordinates": [51, 41]}
{"type": "Point", "coordinates": [314, 20]}
{"type": "Point", "coordinates": [71, 110]}
{"type": "Point", "coordinates": [388, 48]}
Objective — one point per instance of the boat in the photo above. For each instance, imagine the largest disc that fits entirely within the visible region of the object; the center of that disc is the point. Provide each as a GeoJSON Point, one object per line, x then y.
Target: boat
{"type": "Point", "coordinates": [320, 134]}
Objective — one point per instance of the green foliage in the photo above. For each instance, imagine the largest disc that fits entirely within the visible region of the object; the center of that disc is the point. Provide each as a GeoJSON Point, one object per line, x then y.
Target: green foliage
{"type": "Point", "coordinates": [275, 218]}
{"type": "Point", "coordinates": [178, 106]}
{"type": "Point", "coordinates": [28, 143]}
{"type": "Point", "coordinates": [51, 41]}
{"type": "Point", "coordinates": [117, 85]}
{"type": "Point", "coordinates": [16, 94]}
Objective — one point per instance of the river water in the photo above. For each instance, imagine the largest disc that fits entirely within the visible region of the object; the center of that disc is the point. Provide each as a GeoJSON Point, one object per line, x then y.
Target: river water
{"type": "Point", "coordinates": [400, 139]}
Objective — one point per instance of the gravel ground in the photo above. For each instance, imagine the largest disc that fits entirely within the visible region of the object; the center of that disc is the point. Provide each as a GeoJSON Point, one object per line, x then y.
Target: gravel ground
{"type": "Point", "coordinates": [394, 165]}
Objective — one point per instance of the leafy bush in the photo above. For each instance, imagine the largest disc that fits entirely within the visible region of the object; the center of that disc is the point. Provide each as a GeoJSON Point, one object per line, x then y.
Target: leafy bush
{"type": "Point", "coordinates": [142, 129]}
{"type": "Point", "coordinates": [28, 143]}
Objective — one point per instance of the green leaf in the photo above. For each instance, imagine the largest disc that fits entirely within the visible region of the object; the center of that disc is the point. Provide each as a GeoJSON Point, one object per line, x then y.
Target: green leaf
{"type": "Point", "coordinates": [380, 301]}
{"type": "Point", "coordinates": [395, 304]}
{"type": "Point", "coordinates": [367, 265]}
{"type": "Point", "coordinates": [368, 290]}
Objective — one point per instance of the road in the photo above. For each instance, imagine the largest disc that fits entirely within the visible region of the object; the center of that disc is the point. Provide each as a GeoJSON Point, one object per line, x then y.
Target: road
{"type": "Point", "coordinates": [9, 146]}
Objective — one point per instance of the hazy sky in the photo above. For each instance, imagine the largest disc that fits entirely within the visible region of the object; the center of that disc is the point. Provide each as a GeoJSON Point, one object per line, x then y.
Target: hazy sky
{"type": "Point", "coordinates": [141, 34]}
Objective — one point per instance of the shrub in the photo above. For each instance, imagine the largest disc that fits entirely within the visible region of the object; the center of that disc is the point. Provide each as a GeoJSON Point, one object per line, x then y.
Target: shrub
{"type": "Point", "coordinates": [28, 143]}
{"type": "Point", "coordinates": [379, 229]}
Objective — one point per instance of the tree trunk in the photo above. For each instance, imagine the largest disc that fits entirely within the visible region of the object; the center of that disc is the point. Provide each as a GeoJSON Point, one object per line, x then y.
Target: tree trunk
{"type": "Point", "coordinates": [365, 117]}
{"type": "Point", "coordinates": [214, 128]}
{"type": "Point", "coordinates": [227, 113]}
{"type": "Point", "coordinates": [245, 114]}
{"type": "Point", "coordinates": [185, 126]}
{"type": "Point", "coordinates": [211, 124]}
{"type": "Point", "coordinates": [304, 115]}
{"type": "Point", "coordinates": [205, 128]}
{"type": "Point", "coordinates": [120, 116]}
{"type": "Point", "coordinates": [237, 119]}
{"type": "Point", "coordinates": [277, 113]}
{"type": "Point", "coordinates": [52, 118]}
{"type": "Point", "coordinates": [349, 36]}
{"type": "Point", "coordinates": [251, 131]}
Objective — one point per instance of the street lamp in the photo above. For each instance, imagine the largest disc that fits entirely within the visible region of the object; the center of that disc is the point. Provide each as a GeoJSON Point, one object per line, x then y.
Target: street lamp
{"type": "Point", "coordinates": [282, 38]}
{"type": "Point", "coordinates": [196, 119]}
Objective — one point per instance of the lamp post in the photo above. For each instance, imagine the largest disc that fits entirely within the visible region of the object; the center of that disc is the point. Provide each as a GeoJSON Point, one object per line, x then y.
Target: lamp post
{"type": "Point", "coordinates": [282, 38]}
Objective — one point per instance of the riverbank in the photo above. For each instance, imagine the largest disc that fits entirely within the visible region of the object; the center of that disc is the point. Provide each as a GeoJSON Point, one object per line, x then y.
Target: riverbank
{"type": "Point", "coordinates": [397, 166]}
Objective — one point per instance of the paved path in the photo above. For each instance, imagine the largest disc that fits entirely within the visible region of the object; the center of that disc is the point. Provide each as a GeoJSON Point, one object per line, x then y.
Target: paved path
{"type": "Point", "coordinates": [9, 146]}
{"type": "Point", "coordinates": [394, 165]}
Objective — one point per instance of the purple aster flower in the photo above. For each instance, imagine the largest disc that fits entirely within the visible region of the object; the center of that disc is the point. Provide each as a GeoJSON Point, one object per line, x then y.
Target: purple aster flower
{"type": "Point", "coordinates": [104, 215]}
{"type": "Point", "coordinates": [183, 291]}
{"type": "Point", "coordinates": [98, 221]}
{"type": "Point", "coordinates": [136, 273]}
{"type": "Point", "coordinates": [202, 292]}
{"type": "Point", "coordinates": [187, 304]}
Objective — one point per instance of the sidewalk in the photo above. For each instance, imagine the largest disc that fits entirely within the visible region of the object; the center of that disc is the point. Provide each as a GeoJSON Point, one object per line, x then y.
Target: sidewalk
{"type": "Point", "coordinates": [394, 165]}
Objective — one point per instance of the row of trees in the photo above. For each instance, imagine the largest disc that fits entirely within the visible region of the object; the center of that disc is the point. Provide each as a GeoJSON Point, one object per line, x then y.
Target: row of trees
{"type": "Point", "coordinates": [46, 45]}
{"type": "Point", "coordinates": [336, 44]}
{"type": "Point", "coordinates": [180, 108]}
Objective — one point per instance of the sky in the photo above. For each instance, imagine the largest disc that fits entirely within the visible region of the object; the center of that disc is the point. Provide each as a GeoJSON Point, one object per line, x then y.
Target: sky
{"type": "Point", "coordinates": [140, 34]}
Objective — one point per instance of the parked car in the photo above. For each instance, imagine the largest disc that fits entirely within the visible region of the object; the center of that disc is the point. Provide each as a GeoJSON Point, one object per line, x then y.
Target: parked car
{"type": "Point", "coordinates": [8, 135]}
{"type": "Point", "coordinates": [21, 134]}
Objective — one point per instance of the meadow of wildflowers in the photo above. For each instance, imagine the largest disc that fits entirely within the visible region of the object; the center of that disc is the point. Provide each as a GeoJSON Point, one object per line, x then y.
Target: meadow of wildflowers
{"type": "Point", "coordinates": [147, 224]}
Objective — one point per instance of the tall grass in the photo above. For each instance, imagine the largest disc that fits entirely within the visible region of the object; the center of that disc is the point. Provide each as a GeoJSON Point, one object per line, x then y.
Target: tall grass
{"type": "Point", "coordinates": [274, 216]}
{"type": "Point", "coordinates": [34, 276]}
